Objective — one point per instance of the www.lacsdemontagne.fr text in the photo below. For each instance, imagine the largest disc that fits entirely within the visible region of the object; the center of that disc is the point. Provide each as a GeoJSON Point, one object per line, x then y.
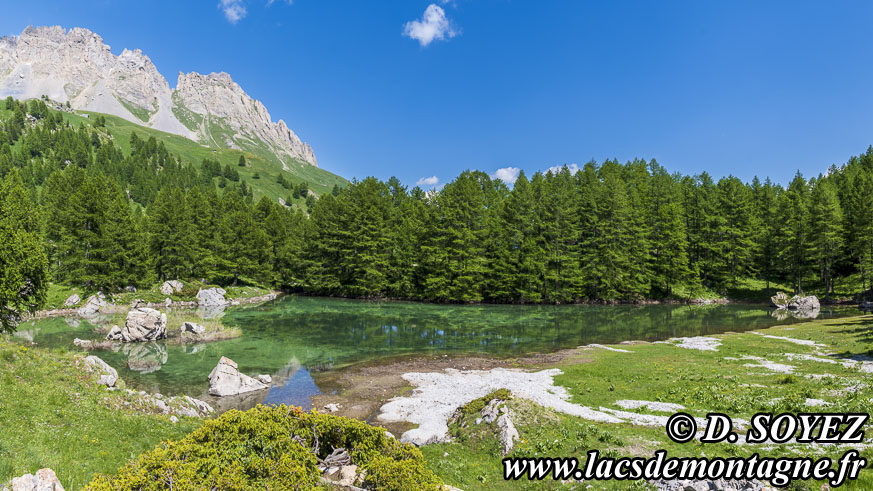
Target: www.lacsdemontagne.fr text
{"type": "Point", "coordinates": [681, 427]}
{"type": "Point", "coordinates": [778, 471]}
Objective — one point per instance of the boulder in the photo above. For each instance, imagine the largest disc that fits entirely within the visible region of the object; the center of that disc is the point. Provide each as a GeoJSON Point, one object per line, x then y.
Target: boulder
{"type": "Point", "coordinates": [114, 334]}
{"type": "Point", "coordinates": [211, 297]}
{"type": "Point", "coordinates": [170, 287]}
{"type": "Point", "coordinates": [332, 408]}
{"type": "Point", "coordinates": [130, 289]}
{"type": "Point", "coordinates": [168, 302]}
{"type": "Point", "coordinates": [44, 480]}
{"type": "Point", "coordinates": [226, 380]}
{"type": "Point", "coordinates": [265, 379]}
{"type": "Point", "coordinates": [144, 324]}
{"type": "Point", "coordinates": [344, 476]}
{"type": "Point", "coordinates": [108, 375]}
{"type": "Point", "coordinates": [83, 343]}
{"type": "Point", "coordinates": [93, 305]}
{"type": "Point", "coordinates": [200, 406]}
{"type": "Point", "coordinates": [72, 300]}
{"type": "Point", "coordinates": [780, 300]}
{"type": "Point", "coordinates": [193, 328]}
{"type": "Point", "coordinates": [804, 303]}
{"type": "Point", "coordinates": [508, 433]}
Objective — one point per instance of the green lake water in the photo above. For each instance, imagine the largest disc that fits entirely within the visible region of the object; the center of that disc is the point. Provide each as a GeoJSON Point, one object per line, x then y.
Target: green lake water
{"type": "Point", "coordinates": [294, 337]}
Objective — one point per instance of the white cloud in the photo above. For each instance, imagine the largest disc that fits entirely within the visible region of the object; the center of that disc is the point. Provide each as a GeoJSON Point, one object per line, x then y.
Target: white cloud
{"type": "Point", "coordinates": [433, 25]}
{"type": "Point", "coordinates": [428, 181]}
{"type": "Point", "coordinates": [557, 168]}
{"type": "Point", "coordinates": [506, 174]}
{"type": "Point", "coordinates": [234, 10]}
{"type": "Point", "coordinates": [271, 2]}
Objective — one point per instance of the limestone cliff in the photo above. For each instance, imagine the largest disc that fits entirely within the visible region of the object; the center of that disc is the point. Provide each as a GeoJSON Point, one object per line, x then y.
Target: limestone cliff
{"type": "Point", "coordinates": [76, 66]}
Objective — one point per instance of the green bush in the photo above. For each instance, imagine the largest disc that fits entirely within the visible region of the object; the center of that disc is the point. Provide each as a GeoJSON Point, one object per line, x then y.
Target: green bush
{"type": "Point", "coordinates": [477, 405]}
{"type": "Point", "coordinates": [272, 447]}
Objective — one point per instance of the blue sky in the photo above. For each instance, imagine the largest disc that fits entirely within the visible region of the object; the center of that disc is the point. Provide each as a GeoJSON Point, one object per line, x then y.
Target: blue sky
{"type": "Point", "coordinates": [742, 87]}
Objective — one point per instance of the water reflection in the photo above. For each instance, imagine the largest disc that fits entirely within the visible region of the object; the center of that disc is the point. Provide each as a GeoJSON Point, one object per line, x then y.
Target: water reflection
{"type": "Point", "coordinates": [292, 337]}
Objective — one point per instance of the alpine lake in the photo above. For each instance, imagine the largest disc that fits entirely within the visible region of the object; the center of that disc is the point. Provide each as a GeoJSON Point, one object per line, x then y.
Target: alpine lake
{"type": "Point", "coordinates": [297, 339]}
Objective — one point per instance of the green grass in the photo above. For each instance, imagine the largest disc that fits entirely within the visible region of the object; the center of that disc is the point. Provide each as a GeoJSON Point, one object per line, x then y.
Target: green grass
{"type": "Point", "coordinates": [52, 414]}
{"type": "Point", "coordinates": [58, 294]}
{"type": "Point", "coordinates": [702, 381]}
{"type": "Point", "coordinates": [142, 114]}
{"type": "Point", "coordinates": [259, 159]}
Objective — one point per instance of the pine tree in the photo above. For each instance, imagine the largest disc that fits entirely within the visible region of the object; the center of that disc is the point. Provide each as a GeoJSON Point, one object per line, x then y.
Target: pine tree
{"type": "Point", "coordinates": [560, 236]}
{"type": "Point", "coordinates": [826, 231]}
{"type": "Point", "coordinates": [24, 274]}
{"type": "Point", "coordinates": [793, 231]}
{"type": "Point", "coordinates": [734, 243]}
{"type": "Point", "coordinates": [667, 228]}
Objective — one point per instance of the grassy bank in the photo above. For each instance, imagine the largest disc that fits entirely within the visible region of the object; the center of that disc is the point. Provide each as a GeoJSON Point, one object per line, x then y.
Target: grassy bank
{"type": "Point", "coordinates": [52, 414]}
{"type": "Point", "coordinates": [732, 379]}
{"type": "Point", "coordinates": [58, 293]}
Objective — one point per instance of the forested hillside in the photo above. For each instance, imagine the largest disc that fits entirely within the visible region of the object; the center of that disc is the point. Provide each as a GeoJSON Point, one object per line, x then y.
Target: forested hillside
{"type": "Point", "coordinates": [108, 215]}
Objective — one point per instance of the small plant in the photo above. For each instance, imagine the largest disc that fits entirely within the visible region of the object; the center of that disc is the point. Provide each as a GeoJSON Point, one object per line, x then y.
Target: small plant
{"type": "Point", "coordinates": [477, 405]}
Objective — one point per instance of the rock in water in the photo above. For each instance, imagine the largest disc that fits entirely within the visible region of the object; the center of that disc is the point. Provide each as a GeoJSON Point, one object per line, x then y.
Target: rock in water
{"type": "Point", "coordinates": [780, 300]}
{"type": "Point", "coordinates": [44, 480]}
{"type": "Point", "coordinates": [809, 303]}
{"type": "Point", "coordinates": [193, 328]}
{"type": "Point", "coordinates": [72, 300]}
{"type": "Point", "coordinates": [114, 334]}
{"type": "Point", "coordinates": [265, 379]}
{"type": "Point", "coordinates": [108, 375]}
{"type": "Point", "coordinates": [144, 324]}
{"type": "Point", "coordinates": [93, 305]}
{"type": "Point", "coordinates": [211, 297]}
{"type": "Point", "coordinates": [171, 287]}
{"type": "Point", "coordinates": [226, 380]}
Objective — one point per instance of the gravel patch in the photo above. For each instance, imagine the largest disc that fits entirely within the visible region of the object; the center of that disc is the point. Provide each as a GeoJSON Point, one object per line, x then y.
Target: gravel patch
{"type": "Point", "coordinates": [767, 364]}
{"type": "Point", "coordinates": [617, 350]}
{"type": "Point", "coordinates": [439, 394]}
{"type": "Point", "coordinates": [701, 343]}
{"type": "Point", "coordinates": [804, 342]}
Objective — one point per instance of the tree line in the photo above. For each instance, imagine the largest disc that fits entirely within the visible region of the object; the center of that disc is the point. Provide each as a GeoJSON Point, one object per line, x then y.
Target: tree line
{"type": "Point", "coordinates": [105, 219]}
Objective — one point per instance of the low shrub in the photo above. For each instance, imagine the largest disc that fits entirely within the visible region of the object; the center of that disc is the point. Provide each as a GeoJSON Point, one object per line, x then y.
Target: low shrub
{"type": "Point", "coordinates": [477, 405]}
{"type": "Point", "coordinates": [272, 447]}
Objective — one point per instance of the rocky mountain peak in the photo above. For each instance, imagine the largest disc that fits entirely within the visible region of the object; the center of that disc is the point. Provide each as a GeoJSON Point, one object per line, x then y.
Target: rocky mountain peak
{"type": "Point", "coordinates": [77, 66]}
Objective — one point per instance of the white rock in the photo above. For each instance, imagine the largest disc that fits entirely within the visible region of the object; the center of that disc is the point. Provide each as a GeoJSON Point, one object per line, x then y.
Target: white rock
{"type": "Point", "coordinates": [193, 328]}
{"type": "Point", "coordinates": [174, 419]}
{"type": "Point", "coordinates": [211, 297]}
{"type": "Point", "coordinates": [114, 334]}
{"type": "Point", "coordinates": [342, 476]}
{"type": "Point", "coordinates": [332, 408]}
{"type": "Point", "coordinates": [265, 379]}
{"type": "Point", "coordinates": [108, 375]}
{"type": "Point", "coordinates": [200, 406]}
{"type": "Point", "coordinates": [72, 300]}
{"type": "Point", "coordinates": [144, 324]}
{"type": "Point", "coordinates": [44, 480]}
{"type": "Point", "coordinates": [170, 287]}
{"type": "Point", "coordinates": [226, 380]}
{"type": "Point", "coordinates": [92, 305]}
{"type": "Point", "coordinates": [508, 433]}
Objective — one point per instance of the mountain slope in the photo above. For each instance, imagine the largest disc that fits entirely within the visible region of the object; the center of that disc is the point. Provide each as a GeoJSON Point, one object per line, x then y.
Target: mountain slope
{"type": "Point", "coordinates": [268, 168]}
{"type": "Point", "coordinates": [75, 66]}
